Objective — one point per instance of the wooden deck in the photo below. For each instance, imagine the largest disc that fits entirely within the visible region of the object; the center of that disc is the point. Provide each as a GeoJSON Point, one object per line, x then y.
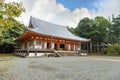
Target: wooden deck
{"type": "Point", "coordinates": [36, 52]}
{"type": "Point", "coordinates": [49, 53]}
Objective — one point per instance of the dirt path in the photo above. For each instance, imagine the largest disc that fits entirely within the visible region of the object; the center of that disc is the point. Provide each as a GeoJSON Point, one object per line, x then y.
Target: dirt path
{"type": "Point", "coordinates": [62, 68]}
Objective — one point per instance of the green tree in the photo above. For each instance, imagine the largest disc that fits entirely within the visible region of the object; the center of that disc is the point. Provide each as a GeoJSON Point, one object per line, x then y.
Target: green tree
{"type": "Point", "coordinates": [72, 30]}
{"type": "Point", "coordinates": [9, 27]}
{"type": "Point", "coordinates": [84, 28]}
{"type": "Point", "coordinates": [96, 29]}
{"type": "Point", "coordinates": [12, 33]}
{"type": "Point", "coordinates": [115, 30]}
{"type": "Point", "coordinates": [7, 41]}
{"type": "Point", "coordinates": [9, 11]}
{"type": "Point", "coordinates": [102, 29]}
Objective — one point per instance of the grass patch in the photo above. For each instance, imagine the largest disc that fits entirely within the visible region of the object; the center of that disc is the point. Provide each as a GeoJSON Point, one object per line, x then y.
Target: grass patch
{"type": "Point", "coordinates": [7, 56]}
{"type": "Point", "coordinates": [4, 63]}
{"type": "Point", "coordinates": [102, 54]}
{"type": "Point", "coordinates": [3, 70]}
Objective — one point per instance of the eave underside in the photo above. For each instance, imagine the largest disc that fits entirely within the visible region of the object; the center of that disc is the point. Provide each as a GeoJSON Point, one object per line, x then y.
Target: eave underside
{"type": "Point", "coordinates": [30, 34]}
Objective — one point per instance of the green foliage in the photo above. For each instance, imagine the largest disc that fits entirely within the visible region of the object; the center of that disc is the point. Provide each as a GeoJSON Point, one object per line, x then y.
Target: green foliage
{"type": "Point", "coordinates": [100, 30]}
{"type": "Point", "coordinates": [84, 28]}
{"type": "Point", "coordinates": [114, 34]}
{"type": "Point", "coordinates": [114, 49]}
{"type": "Point", "coordinates": [72, 30]}
{"type": "Point", "coordinates": [8, 11]}
{"type": "Point", "coordinates": [96, 29]}
{"type": "Point", "coordinates": [9, 27]}
{"type": "Point", "coordinates": [12, 33]}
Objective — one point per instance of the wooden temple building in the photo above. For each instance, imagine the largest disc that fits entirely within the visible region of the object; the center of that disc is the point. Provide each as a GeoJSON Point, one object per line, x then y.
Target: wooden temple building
{"type": "Point", "coordinates": [41, 37]}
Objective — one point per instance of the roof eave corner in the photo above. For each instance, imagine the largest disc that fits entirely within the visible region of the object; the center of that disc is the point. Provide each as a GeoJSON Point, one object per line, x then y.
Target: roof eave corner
{"type": "Point", "coordinates": [87, 40]}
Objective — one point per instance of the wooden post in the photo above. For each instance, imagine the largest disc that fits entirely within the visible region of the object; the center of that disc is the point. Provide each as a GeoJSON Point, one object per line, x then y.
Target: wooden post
{"type": "Point", "coordinates": [58, 46]}
{"type": "Point", "coordinates": [76, 47]}
{"type": "Point", "coordinates": [50, 42]}
{"type": "Point", "coordinates": [34, 44]}
{"type": "Point", "coordinates": [71, 47]}
{"type": "Point", "coordinates": [43, 44]}
{"type": "Point", "coordinates": [27, 44]}
{"type": "Point", "coordinates": [66, 46]}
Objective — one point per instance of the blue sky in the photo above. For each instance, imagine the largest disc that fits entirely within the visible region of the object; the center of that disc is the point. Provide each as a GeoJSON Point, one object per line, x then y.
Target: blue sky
{"type": "Point", "coordinates": [73, 4]}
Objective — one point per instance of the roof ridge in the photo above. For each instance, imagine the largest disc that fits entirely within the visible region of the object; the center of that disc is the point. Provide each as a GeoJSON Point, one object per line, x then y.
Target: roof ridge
{"type": "Point", "coordinates": [31, 17]}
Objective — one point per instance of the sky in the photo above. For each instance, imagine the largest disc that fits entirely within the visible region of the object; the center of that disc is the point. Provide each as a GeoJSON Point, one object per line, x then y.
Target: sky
{"type": "Point", "coordinates": [70, 4]}
{"type": "Point", "coordinates": [67, 12]}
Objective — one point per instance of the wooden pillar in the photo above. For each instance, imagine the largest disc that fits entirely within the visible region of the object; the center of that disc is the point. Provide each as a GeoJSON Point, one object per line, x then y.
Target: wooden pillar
{"type": "Point", "coordinates": [66, 46]}
{"type": "Point", "coordinates": [79, 45]}
{"type": "Point", "coordinates": [58, 46]}
{"type": "Point", "coordinates": [43, 45]}
{"type": "Point", "coordinates": [34, 43]}
{"type": "Point", "coordinates": [76, 46]}
{"type": "Point", "coordinates": [50, 47]}
{"type": "Point", "coordinates": [27, 44]}
{"type": "Point", "coordinates": [71, 47]}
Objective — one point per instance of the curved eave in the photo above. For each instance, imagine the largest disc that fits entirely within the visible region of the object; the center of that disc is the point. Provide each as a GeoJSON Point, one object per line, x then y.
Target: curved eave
{"type": "Point", "coordinates": [28, 35]}
{"type": "Point", "coordinates": [24, 35]}
{"type": "Point", "coordinates": [86, 40]}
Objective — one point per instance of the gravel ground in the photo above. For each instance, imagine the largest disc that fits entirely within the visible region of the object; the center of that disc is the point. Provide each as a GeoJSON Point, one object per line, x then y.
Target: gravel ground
{"type": "Point", "coordinates": [62, 68]}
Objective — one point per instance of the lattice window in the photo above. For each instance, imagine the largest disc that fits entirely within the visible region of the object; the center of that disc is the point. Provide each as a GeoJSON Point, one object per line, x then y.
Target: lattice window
{"type": "Point", "coordinates": [38, 42]}
{"type": "Point", "coordinates": [31, 43]}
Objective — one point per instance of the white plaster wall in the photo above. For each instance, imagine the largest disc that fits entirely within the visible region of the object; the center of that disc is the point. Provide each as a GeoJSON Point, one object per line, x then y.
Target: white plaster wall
{"type": "Point", "coordinates": [45, 45]}
{"type": "Point", "coordinates": [30, 47]}
{"type": "Point", "coordinates": [69, 47]}
{"type": "Point", "coordinates": [53, 45]}
{"type": "Point", "coordinates": [48, 53]}
{"type": "Point", "coordinates": [40, 54]}
{"type": "Point", "coordinates": [74, 47]}
{"type": "Point", "coordinates": [31, 54]}
{"type": "Point", "coordinates": [38, 47]}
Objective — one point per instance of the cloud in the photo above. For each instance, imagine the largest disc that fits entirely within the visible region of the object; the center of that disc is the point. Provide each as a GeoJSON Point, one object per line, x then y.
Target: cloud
{"type": "Point", "coordinates": [50, 11]}
{"type": "Point", "coordinates": [106, 8]}
{"type": "Point", "coordinates": [53, 12]}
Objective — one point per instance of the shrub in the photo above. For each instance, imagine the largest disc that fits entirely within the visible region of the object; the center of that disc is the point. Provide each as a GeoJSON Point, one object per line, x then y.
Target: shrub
{"type": "Point", "coordinates": [113, 49]}
{"type": "Point", "coordinates": [105, 51]}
